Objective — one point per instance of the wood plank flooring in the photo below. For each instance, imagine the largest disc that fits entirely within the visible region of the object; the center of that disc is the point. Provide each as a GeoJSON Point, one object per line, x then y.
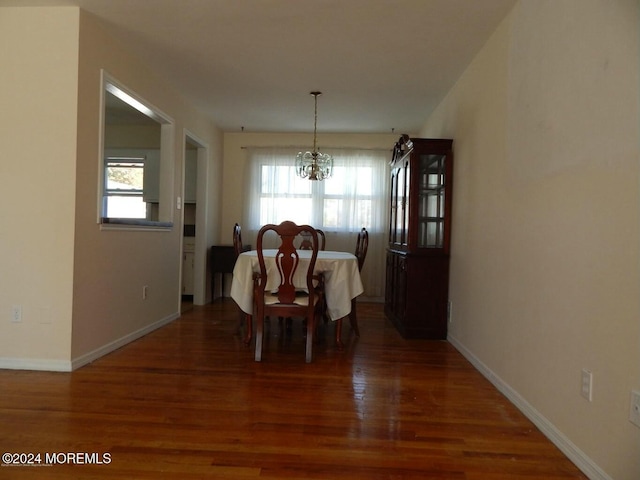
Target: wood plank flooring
{"type": "Point", "coordinates": [188, 402]}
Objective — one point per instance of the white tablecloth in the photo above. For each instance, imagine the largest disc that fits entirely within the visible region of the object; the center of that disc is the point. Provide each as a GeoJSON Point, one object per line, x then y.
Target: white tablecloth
{"type": "Point", "coordinates": [342, 280]}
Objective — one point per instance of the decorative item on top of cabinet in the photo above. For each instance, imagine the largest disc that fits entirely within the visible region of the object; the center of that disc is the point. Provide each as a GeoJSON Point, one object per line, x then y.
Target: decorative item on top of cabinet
{"type": "Point", "coordinates": [417, 278]}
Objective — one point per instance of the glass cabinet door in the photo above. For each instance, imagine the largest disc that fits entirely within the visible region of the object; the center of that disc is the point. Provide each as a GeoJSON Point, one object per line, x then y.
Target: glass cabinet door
{"type": "Point", "coordinates": [431, 201]}
{"type": "Point", "coordinates": [399, 227]}
{"type": "Point", "coordinates": [393, 213]}
{"type": "Point", "coordinates": [406, 186]}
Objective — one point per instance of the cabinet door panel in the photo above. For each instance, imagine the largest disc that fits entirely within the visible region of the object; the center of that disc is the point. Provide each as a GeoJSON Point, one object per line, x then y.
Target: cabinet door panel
{"type": "Point", "coordinates": [400, 207]}
{"type": "Point", "coordinates": [393, 213]}
{"type": "Point", "coordinates": [427, 296]}
{"type": "Point", "coordinates": [389, 290]}
{"type": "Point", "coordinates": [431, 201]}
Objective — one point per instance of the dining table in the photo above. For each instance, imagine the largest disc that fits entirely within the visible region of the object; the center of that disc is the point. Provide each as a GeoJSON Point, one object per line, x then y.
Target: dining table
{"type": "Point", "coordinates": [342, 281]}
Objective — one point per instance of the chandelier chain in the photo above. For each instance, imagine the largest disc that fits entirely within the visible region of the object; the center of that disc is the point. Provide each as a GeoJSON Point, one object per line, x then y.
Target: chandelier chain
{"type": "Point", "coordinates": [314, 165]}
{"type": "Point", "coordinates": [315, 120]}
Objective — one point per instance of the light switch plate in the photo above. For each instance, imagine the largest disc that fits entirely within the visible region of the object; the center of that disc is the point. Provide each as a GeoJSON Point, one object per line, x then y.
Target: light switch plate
{"type": "Point", "coordinates": [587, 384]}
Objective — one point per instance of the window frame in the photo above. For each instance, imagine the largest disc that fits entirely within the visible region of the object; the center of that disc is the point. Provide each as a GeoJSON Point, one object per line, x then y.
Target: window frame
{"type": "Point", "coordinates": [164, 221]}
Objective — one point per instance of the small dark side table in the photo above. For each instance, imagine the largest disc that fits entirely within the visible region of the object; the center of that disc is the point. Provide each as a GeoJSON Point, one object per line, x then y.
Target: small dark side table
{"type": "Point", "coordinates": [223, 259]}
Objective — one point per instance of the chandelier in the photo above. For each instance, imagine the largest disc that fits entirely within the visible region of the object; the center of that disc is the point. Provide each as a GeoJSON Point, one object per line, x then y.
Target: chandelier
{"type": "Point", "coordinates": [314, 165]}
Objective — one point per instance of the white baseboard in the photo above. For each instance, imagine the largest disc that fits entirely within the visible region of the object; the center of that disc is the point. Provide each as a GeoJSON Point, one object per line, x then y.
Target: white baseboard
{"type": "Point", "coordinates": [43, 364]}
{"type": "Point", "coordinates": [68, 366]}
{"type": "Point", "coordinates": [116, 344]}
{"type": "Point", "coordinates": [577, 456]}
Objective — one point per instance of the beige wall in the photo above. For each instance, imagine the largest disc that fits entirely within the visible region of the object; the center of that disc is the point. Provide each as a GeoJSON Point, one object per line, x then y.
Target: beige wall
{"type": "Point", "coordinates": [85, 280]}
{"type": "Point", "coordinates": [111, 267]}
{"type": "Point", "coordinates": [37, 181]}
{"type": "Point", "coordinates": [545, 255]}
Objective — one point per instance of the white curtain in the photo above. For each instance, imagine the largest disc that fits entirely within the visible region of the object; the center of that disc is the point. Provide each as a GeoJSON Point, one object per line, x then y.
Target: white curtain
{"type": "Point", "coordinates": [355, 196]}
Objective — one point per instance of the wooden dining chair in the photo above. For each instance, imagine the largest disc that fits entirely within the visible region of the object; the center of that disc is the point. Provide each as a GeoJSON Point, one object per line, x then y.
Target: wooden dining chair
{"type": "Point", "coordinates": [237, 240]}
{"type": "Point", "coordinates": [287, 300]}
{"type": "Point", "coordinates": [306, 244]}
{"type": "Point", "coordinates": [362, 245]}
{"type": "Point", "coordinates": [238, 248]}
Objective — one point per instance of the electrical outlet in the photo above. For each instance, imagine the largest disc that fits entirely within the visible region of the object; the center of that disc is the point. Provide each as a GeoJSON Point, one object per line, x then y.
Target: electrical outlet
{"type": "Point", "coordinates": [634, 410]}
{"type": "Point", "coordinates": [145, 292]}
{"type": "Point", "coordinates": [587, 384]}
{"type": "Point", "coordinates": [16, 313]}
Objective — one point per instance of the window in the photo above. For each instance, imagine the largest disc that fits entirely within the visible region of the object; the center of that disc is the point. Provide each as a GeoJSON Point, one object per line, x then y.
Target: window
{"type": "Point", "coordinates": [281, 196]}
{"type": "Point", "coordinates": [340, 199]}
{"type": "Point", "coordinates": [124, 187]}
{"type": "Point", "coordinates": [354, 197]}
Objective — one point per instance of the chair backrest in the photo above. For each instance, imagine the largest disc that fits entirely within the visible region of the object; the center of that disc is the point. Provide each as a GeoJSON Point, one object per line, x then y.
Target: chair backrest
{"type": "Point", "coordinates": [322, 238]}
{"type": "Point", "coordinates": [237, 240]}
{"type": "Point", "coordinates": [306, 244]}
{"type": "Point", "coordinates": [287, 258]}
{"type": "Point", "coordinates": [362, 245]}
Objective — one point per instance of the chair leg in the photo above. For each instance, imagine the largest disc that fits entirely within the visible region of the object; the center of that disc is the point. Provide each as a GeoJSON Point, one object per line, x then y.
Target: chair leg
{"type": "Point", "coordinates": [311, 326]}
{"type": "Point", "coordinates": [241, 322]}
{"type": "Point", "coordinates": [259, 338]}
{"type": "Point", "coordinates": [248, 320]}
{"type": "Point", "coordinates": [339, 343]}
{"type": "Point", "coordinates": [353, 318]}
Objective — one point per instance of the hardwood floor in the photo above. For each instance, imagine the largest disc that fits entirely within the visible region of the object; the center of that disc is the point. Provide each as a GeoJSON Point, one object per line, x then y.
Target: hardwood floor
{"type": "Point", "coordinates": [188, 402]}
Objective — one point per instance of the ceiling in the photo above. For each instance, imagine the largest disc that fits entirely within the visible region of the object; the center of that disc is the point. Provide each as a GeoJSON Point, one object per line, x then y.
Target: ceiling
{"type": "Point", "coordinates": [382, 65]}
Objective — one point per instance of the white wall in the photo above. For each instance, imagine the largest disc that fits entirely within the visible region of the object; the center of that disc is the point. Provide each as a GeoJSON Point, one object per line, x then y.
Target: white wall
{"type": "Point", "coordinates": [545, 253]}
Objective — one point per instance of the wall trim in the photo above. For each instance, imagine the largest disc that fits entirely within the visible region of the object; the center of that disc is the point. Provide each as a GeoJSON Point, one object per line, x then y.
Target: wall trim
{"type": "Point", "coordinates": [89, 357]}
{"type": "Point", "coordinates": [577, 456]}
{"type": "Point", "coordinates": [44, 364]}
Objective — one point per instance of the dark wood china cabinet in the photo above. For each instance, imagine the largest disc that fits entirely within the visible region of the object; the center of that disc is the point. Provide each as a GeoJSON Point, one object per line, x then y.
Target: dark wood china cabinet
{"type": "Point", "coordinates": [417, 278]}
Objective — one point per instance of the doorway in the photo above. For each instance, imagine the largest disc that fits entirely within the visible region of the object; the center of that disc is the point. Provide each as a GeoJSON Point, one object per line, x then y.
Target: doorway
{"type": "Point", "coordinates": [193, 282]}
